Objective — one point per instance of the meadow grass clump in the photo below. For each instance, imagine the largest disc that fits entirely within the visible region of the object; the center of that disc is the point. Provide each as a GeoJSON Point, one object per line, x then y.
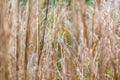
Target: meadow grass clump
{"type": "Point", "coordinates": [83, 40]}
{"type": "Point", "coordinates": [59, 40]}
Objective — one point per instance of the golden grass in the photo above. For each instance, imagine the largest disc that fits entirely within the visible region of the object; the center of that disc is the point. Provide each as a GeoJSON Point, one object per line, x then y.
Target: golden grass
{"type": "Point", "coordinates": [40, 40]}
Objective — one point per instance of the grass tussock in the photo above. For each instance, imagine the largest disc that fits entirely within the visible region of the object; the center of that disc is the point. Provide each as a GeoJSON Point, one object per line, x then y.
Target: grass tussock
{"type": "Point", "coordinates": [59, 40]}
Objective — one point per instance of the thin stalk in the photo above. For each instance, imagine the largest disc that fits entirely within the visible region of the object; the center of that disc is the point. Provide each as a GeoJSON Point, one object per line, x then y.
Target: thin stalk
{"type": "Point", "coordinates": [42, 41]}
{"type": "Point", "coordinates": [27, 37]}
{"type": "Point", "coordinates": [15, 6]}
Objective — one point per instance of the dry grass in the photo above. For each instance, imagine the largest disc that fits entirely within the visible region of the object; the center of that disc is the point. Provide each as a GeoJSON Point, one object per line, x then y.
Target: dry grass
{"type": "Point", "coordinates": [40, 40]}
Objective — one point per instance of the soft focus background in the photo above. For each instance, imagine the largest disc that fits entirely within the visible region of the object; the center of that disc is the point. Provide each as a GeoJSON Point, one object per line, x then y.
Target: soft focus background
{"type": "Point", "coordinates": [59, 40]}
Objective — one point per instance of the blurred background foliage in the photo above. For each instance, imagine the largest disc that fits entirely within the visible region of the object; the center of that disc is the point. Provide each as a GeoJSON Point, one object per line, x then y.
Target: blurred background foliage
{"type": "Point", "coordinates": [23, 2]}
{"type": "Point", "coordinates": [55, 2]}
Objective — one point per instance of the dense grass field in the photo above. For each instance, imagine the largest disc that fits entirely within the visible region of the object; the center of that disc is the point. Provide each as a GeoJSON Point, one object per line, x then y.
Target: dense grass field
{"type": "Point", "coordinates": [59, 40]}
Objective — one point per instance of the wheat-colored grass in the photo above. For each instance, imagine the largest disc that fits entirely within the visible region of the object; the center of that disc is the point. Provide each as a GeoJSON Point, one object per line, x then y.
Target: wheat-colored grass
{"type": "Point", "coordinates": [59, 40]}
